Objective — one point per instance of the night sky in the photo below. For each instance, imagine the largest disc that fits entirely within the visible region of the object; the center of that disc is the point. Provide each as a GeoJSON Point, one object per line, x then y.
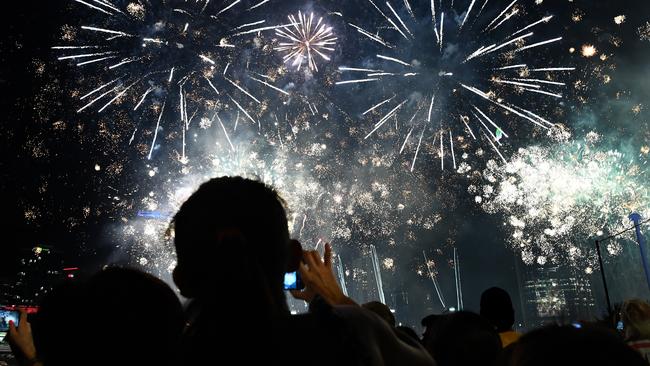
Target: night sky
{"type": "Point", "coordinates": [72, 181]}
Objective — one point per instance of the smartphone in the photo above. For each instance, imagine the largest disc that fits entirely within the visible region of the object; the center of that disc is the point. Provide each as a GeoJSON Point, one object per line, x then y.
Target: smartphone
{"type": "Point", "coordinates": [5, 317]}
{"type": "Point", "coordinates": [292, 281]}
{"type": "Point", "coordinates": [620, 326]}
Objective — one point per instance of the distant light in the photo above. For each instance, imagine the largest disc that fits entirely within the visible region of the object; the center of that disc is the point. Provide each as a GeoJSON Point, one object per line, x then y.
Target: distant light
{"type": "Point", "coordinates": [97, 167]}
{"type": "Point", "coordinates": [71, 269]}
{"type": "Point", "coordinates": [70, 275]}
{"type": "Point", "coordinates": [392, 311]}
{"type": "Point", "coordinates": [293, 312]}
{"type": "Point", "coordinates": [452, 309]}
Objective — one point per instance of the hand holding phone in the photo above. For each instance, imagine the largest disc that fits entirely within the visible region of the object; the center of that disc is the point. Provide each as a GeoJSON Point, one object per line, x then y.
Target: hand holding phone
{"type": "Point", "coordinates": [319, 278]}
{"type": "Point", "coordinates": [21, 340]}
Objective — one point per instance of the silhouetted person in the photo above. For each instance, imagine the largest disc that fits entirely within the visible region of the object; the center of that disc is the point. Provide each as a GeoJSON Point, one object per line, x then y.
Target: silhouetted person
{"type": "Point", "coordinates": [119, 317]}
{"type": "Point", "coordinates": [464, 339]}
{"type": "Point", "coordinates": [431, 324]}
{"type": "Point", "coordinates": [408, 331]}
{"type": "Point", "coordinates": [382, 310]}
{"type": "Point", "coordinates": [569, 346]}
{"type": "Point", "coordinates": [233, 249]}
{"type": "Point", "coordinates": [496, 306]}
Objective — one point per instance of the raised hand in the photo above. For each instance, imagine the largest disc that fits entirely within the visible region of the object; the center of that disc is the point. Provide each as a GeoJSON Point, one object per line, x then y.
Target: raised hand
{"type": "Point", "coordinates": [21, 341]}
{"type": "Point", "coordinates": [319, 279]}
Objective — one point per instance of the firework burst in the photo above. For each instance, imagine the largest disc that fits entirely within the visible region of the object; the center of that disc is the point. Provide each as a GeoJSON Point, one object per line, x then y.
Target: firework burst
{"type": "Point", "coordinates": [304, 40]}
{"type": "Point", "coordinates": [555, 199]}
{"type": "Point", "coordinates": [446, 80]}
{"type": "Point", "coordinates": [176, 63]}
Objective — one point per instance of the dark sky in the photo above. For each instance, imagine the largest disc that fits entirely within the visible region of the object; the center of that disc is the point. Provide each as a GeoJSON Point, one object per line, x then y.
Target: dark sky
{"type": "Point", "coordinates": [49, 173]}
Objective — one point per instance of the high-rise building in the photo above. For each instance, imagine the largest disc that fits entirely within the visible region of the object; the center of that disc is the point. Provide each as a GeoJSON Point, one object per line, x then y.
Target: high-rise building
{"type": "Point", "coordinates": [552, 294]}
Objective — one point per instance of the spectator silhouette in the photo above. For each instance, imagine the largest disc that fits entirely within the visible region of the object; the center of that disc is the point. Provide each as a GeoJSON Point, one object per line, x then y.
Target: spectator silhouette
{"type": "Point", "coordinates": [382, 310]}
{"type": "Point", "coordinates": [432, 324]}
{"type": "Point", "coordinates": [463, 339]}
{"type": "Point", "coordinates": [408, 331]}
{"type": "Point", "coordinates": [233, 248]}
{"type": "Point", "coordinates": [569, 346]}
{"type": "Point", "coordinates": [119, 317]}
{"type": "Point", "coordinates": [496, 307]}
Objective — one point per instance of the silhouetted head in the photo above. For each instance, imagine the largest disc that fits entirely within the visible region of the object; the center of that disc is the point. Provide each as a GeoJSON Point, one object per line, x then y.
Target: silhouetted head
{"type": "Point", "coordinates": [496, 306]}
{"type": "Point", "coordinates": [54, 325]}
{"type": "Point", "coordinates": [635, 315]}
{"type": "Point", "coordinates": [432, 324]}
{"type": "Point", "coordinates": [232, 234]}
{"type": "Point", "coordinates": [382, 310]}
{"type": "Point", "coordinates": [119, 317]}
{"type": "Point", "coordinates": [569, 346]}
{"type": "Point", "coordinates": [464, 339]}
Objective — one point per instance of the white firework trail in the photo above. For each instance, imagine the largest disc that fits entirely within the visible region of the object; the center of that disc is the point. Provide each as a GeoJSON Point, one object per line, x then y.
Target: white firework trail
{"type": "Point", "coordinates": [403, 41]}
{"type": "Point", "coordinates": [181, 53]}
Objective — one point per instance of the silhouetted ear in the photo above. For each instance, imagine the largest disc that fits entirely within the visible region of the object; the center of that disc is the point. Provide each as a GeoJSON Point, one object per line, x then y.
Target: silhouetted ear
{"type": "Point", "coordinates": [182, 280]}
{"type": "Point", "coordinates": [295, 255]}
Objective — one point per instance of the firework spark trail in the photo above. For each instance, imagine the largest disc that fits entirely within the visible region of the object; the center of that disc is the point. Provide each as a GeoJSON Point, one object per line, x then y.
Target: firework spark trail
{"type": "Point", "coordinates": [225, 132]}
{"type": "Point", "coordinates": [148, 74]}
{"type": "Point", "coordinates": [453, 153]}
{"type": "Point", "coordinates": [431, 275]}
{"type": "Point", "coordinates": [305, 40]}
{"type": "Point", "coordinates": [406, 140]}
{"type": "Point", "coordinates": [417, 150]}
{"type": "Point", "coordinates": [408, 8]}
{"type": "Point", "coordinates": [543, 20]}
{"type": "Point", "coordinates": [500, 15]}
{"type": "Point", "coordinates": [507, 17]}
{"type": "Point", "coordinates": [155, 136]}
{"type": "Point", "coordinates": [399, 19]}
{"type": "Point", "coordinates": [469, 10]}
{"type": "Point", "coordinates": [369, 35]}
{"type": "Point", "coordinates": [520, 66]}
{"type": "Point", "coordinates": [406, 36]}
{"type": "Point", "coordinates": [269, 85]}
{"type": "Point", "coordinates": [386, 118]}
{"type": "Point", "coordinates": [378, 105]}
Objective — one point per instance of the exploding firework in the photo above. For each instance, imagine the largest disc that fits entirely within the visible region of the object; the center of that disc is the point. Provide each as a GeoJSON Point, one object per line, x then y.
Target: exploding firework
{"type": "Point", "coordinates": [175, 63]}
{"type": "Point", "coordinates": [304, 40]}
{"type": "Point", "coordinates": [324, 205]}
{"type": "Point", "coordinates": [555, 199]}
{"type": "Point", "coordinates": [443, 79]}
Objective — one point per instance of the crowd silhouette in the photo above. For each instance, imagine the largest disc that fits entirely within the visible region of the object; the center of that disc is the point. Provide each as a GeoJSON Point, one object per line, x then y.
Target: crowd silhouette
{"type": "Point", "coordinates": [233, 248]}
